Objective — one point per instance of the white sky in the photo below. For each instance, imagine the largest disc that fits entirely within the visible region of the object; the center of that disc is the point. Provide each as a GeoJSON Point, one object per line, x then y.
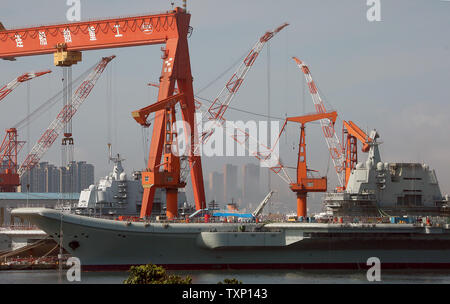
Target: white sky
{"type": "Point", "coordinates": [391, 75]}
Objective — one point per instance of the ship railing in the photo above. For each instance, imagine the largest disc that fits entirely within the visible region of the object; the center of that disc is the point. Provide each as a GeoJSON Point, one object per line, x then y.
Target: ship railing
{"type": "Point", "coordinates": [20, 227]}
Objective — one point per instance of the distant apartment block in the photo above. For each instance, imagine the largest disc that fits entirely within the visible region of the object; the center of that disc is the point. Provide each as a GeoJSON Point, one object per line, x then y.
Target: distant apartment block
{"type": "Point", "coordinates": [46, 177]}
{"type": "Point", "coordinates": [230, 186]}
{"type": "Point", "coordinates": [215, 187]}
{"type": "Point", "coordinates": [251, 184]}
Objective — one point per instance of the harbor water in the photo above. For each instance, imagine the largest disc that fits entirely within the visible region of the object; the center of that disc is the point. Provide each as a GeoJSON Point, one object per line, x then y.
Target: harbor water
{"type": "Point", "coordinates": [245, 276]}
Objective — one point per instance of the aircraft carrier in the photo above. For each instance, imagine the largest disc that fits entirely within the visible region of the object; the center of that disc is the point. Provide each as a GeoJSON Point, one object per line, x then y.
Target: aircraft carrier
{"type": "Point", "coordinates": [372, 189]}
{"type": "Point", "coordinates": [406, 242]}
{"type": "Point", "coordinates": [110, 244]}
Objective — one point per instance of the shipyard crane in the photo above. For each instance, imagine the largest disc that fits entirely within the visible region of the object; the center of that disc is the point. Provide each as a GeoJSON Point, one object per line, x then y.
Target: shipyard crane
{"type": "Point", "coordinates": [168, 174]}
{"type": "Point", "coordinates": [9, 149]}
{"type": "Point", "coordinates": [215, 114]}
{"type": "Point", "coordinates": [67, 41]}
{"type": "Point", "coordinates": [350, 133]}
{"type": "Point", "coordinates": [64, 116]}
{"type": "Point", "coordinates": [220, 104]}
{"type": "Point", "coordinates": [306, 183]}
{"type": "Point", "coordinates": [265, 154]}
{"type": "Point", "coordinates": [8, 88]}
{"type": "Point", "coordinates": [334, 146]}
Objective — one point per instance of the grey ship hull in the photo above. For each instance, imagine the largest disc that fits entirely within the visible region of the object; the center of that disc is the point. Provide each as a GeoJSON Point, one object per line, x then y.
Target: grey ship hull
{"type": "Point", "coordinates": [109, 244]}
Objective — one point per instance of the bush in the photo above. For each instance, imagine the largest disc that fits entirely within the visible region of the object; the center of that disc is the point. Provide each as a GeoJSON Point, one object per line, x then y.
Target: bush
{"type": "Point", "coordinates": [230, 281]}
{"type": "Point", "coordinates": [153, 274]}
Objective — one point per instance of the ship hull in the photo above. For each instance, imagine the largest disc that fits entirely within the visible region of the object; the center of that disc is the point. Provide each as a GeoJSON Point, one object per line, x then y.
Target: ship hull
{"type": "Point", "coordinates": [113, 245]}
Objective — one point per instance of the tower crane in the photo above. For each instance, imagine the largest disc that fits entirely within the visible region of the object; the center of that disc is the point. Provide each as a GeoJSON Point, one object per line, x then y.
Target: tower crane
{"type": "Point", "coordinates": [304, 182]}
{"type": "Point", "coordinates": [8, 88]}
{"type": "Point", "coordinates": [334, 146]}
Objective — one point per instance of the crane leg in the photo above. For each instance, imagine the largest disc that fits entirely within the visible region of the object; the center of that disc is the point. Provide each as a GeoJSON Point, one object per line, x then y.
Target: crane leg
{"type": "Point", "coordinates": [147, 202]}
{"type": "Point", "coordinates": [301, 205]}
{"type": "Point", "coordinates": [172, 203]}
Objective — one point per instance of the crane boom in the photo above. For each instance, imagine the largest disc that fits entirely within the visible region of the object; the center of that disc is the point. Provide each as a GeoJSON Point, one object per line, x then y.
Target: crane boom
{"type": "Point", "coordinates": [333, 143]}
{"type": "Point", "coordinates": [263, 203]}
{"type": "Point", "coordinates": [5, 90]}
{"type": "Point", "coordinates": [228, 92]}
{"type": "Point", "coordinates": [64, 116]}
{"type": "Point", "coordinates": [226, 95]}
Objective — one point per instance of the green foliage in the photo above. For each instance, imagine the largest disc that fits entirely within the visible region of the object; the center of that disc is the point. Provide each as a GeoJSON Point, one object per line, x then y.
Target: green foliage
{"type": "Point", "coordinates": [152, 274]}
{"type": "Point", "coordinates": [230, 281]}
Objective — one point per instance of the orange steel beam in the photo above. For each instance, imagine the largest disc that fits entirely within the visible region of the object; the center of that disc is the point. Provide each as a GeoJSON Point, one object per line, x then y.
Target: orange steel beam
{"type": "Point", "coordinates": [355, 131]}
{"type": "Point", "coordinates": [141, 115]}
{"type": "Point", "coordinates": [92, 35]}
{"type": "Point", "coordinates": [351, 153]}
{"type": "Point", "coordinates": [313, 117]}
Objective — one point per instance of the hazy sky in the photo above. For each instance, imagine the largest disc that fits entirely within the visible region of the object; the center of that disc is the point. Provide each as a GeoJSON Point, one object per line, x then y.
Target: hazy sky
{"type": "Point", "coordinates": [391, 75]}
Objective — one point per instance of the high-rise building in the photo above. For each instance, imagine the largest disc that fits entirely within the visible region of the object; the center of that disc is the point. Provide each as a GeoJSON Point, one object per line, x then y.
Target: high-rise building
{"type": "Point", "coordinates": [230, 188]}
{"type": "Point", "coordinates": [215, 187]}
{"type": "Point", "coordinates": [51, 173]}
{"type": "Point", "coordinates": [251, 189]}
{"type": "Point", "coordinates": [46, 177]}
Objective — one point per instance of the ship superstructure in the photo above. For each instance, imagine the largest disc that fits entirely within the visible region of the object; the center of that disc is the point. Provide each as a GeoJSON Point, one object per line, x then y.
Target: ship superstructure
{"type": "Point", "coordinates": [116, 194]}
{"type": "Point", "coordinates": [377, 188]}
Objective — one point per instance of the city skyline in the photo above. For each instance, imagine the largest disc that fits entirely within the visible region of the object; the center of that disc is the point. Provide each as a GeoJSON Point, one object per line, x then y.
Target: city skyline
{"type": "Point", "coordinates": [46, 177]}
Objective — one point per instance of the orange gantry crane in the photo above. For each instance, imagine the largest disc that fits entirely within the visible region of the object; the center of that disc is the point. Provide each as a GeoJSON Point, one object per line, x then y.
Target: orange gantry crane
{"type": "Point", "coordinates": [306, 183]}
{"type": "Point", "coordinates": [171, 29]}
